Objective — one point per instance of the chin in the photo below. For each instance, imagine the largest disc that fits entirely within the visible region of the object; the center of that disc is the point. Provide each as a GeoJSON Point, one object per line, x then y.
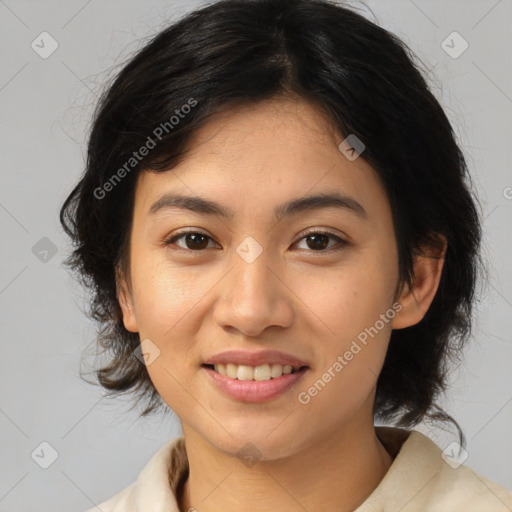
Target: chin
{"type": "Point", "coordinates": [250, 445]}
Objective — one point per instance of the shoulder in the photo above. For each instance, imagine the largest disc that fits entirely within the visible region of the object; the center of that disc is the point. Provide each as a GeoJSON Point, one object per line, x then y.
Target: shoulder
{"type": "Point", "coordinates": [123, 501]}
{"type": "Point", "coordinates": [466, 489]}
{"type": "Point", "coordinates": [422, 478]}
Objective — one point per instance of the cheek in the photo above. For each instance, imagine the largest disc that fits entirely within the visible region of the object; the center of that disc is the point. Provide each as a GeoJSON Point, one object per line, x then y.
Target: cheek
{"type": "Point", "coordinates": [346, 300]}
{"type": "Point", "coordinates": [352, 314]}
{"type": "Point", "coordinates": [165, 307]}
{"type": "Point", "coordinates": [354, 341]}
{"type": "Point", "coordinates": [169, 300]}
{"type": "Point", "coordinates": [165, 296]}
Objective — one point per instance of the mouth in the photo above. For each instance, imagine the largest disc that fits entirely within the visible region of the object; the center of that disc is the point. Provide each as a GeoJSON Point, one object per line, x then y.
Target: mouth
{"type": "Point", "coordinates": [257, 384]}
{"type": "Point", "coordinates": [263, 372]}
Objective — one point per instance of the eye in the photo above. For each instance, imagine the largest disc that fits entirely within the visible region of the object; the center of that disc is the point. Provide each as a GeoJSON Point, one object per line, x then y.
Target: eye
{"type": "Point", "coordinates": [319, 240]}
{"type": "Point", "coordinates": [193, 240]}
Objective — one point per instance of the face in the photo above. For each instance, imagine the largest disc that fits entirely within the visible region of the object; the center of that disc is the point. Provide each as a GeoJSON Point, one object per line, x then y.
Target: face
{"type": "Point", "coordinates": [307, 282]}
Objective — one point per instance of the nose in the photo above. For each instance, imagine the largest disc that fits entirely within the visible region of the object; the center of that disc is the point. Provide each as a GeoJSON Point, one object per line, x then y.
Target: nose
{"type": "Point", "coordinates": [252, 297]}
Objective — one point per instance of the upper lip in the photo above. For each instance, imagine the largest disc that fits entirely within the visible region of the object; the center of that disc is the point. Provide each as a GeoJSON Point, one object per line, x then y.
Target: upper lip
{"type": "Point", "coordinates": [246, 357]}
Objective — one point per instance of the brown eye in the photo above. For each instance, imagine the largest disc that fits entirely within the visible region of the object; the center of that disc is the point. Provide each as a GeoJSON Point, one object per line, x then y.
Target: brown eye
{"type": "Point", "coordinates": [318, 241]}
{"type": "Point", "coordinates": [193, 240]}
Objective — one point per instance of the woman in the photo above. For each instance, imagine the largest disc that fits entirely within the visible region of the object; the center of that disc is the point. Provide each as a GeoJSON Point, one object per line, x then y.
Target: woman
{"type": "Point", "coordinates": [277, 225]}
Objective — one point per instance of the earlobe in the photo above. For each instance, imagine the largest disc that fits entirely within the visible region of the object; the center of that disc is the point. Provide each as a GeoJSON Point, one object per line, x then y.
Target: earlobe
{"type": "Point", "coordinates": [124, 297]}
{"type": "Point", "coordinates": [417, 298]}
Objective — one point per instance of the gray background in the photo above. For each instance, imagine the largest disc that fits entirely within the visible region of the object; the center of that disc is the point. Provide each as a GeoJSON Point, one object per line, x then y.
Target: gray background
{"type": "Point", "coordinates": [45, 107]}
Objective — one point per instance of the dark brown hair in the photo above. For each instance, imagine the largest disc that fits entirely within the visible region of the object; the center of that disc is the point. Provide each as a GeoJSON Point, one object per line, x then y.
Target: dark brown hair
{"type": "Point", "coordinates": [368, 83]}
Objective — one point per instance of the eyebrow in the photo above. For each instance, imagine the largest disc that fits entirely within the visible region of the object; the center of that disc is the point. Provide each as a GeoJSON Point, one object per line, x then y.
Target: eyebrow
{"type": "Point", "coordinates": [301, 204]}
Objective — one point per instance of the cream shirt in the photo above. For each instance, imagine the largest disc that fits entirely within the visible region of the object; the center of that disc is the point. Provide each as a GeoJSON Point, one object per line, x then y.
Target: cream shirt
{"type": "Point", "coordinates": [419, 479]}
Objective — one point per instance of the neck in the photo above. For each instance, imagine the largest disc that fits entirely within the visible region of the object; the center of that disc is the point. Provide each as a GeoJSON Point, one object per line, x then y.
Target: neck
{"type": "Point", "coordinates": [337, 472]}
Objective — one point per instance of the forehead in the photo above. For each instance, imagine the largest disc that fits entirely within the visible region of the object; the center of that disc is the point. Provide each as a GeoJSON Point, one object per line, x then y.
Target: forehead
{"type": "Point", "coordinates": [264, 153]}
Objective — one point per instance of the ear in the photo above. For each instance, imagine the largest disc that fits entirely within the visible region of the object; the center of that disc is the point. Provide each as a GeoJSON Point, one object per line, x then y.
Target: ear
{"type": "Point", "coordinates": [125, 299]}
{"type": "Point", "coordinates": [416, 299]}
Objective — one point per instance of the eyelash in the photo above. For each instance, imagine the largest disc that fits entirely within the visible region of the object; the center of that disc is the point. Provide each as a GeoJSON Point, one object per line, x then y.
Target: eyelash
{"type": "Point", "coordinates": [341, 243]}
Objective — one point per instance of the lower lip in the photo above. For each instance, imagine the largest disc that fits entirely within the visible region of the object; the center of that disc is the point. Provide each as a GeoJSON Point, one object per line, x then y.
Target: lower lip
{"type": "Point", "coordinates": [252, 390]}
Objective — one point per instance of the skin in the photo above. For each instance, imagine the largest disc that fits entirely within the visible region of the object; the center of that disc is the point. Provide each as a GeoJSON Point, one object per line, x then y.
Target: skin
{"type": "Point", "coordinates": [308, 302]}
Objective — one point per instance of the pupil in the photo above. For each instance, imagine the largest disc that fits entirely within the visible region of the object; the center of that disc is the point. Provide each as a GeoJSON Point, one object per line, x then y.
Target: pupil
{"type": "Point", "coordinates": [317, 244]}
{"type": "Point", "coordinates": [199, 241]}
{"type": "Point", "coordinates": [195, 238]}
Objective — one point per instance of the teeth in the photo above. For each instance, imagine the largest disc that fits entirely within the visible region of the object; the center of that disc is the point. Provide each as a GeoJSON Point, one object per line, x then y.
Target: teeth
{"type": "Point", "coordinates": [221, 369]}
{"type": "Point", "coordinates": [258, 373]}
{"type": "Point", "coordinates": [276, 370]}
{"type": "Point", "coordinates": [262, 372]}
{"type": "Point", "coordinates": [245, 373]}
{"type": "Point", "coordinates": [231, 371]}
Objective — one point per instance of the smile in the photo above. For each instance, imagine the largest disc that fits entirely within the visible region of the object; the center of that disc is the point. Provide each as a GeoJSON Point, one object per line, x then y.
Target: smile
{"type": "Point", "coordinates": [258, 373]}
{"type": "Point", "coordinates": [248, 388]}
